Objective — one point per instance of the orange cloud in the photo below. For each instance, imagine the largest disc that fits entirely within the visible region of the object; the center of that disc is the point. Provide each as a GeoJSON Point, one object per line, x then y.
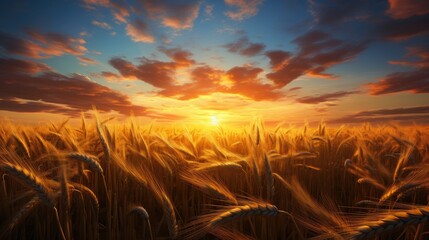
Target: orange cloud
{"type": "Point", "coordinates": [119, 10]}
{"type": "Point", "coordinates": [416, 81]}
{"type": "Point", "coordinates": [53, 92]}
{"type": "Point", "coordinates": [157, 73]}
{"type": "Point", "coordinates": [24, 66]}
{"type": "Point", "coordinates": [173, 14]}
{"type": "Point", "coordinates": [317, 51]}
{"type": "Point", "coordinates": [245, 8]}
{"type": "Point", "coordinates": [42, 45]}
{"type": "Point", "coordinates": [246, 82]}
{"type": "Point", "coordinates": [181, 57]}
{"type": "Point", "coordinates": [204, 80]}
{"type": "Point", "coordinates": [278, 58]}
{"type": "Point", "coordinates": [85, 61]}
{"type": "Point", "coordinates": [401, 9]}
{"type": "Point", "coordinates": [139, 32]}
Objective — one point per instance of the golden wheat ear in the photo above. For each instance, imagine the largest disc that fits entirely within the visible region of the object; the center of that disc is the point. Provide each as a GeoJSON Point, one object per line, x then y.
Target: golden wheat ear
{"type": "Point", "coordinates": [392, 221]}
{"type": "Point", "coordinates": [31, 180]}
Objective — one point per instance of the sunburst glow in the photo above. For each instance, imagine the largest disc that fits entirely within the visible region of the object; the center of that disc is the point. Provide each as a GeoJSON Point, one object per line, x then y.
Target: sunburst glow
{"type": "Point", "coordinates": [214, 120]}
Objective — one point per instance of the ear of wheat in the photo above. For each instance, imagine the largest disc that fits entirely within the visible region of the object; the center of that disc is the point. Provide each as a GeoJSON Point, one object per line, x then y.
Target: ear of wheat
{"type": "Point", "coordinates": [251, 209]}
{"type": "Point", "coordinates": [393, 220]}
{"type": "Point", "coordinates": [31, 180]}
{"type": "Point", "coordinates": [88, 159]}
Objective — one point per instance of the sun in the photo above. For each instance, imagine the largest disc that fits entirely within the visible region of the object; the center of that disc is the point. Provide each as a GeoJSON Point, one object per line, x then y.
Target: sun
{"type": "Point", "coordinates": [214, 120]}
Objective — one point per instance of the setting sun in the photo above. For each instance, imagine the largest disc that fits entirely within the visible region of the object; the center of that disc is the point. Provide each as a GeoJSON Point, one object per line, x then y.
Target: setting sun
{"type": "Point", "coordinates": [214, 120]}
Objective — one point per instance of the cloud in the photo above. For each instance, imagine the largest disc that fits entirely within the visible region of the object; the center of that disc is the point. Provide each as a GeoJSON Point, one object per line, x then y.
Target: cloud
{"type": "Point", "coordinates": [208, 11]}
{"type": "Point", "coordinates": [14, 45]}
{"type": "Point", "coordinates": [317, 51]}
{"type": "Point", "coordinates": [407, 115]}
{"type": "Point", "coordinates": [294, 89]}
{"type": "Point", "coordinates": [42, 45]}
{"type": "Point", "coordinates": [58, 44]}
{"type": "Point", "coordinates": [204, 80]}
{"type": "Point", "coordinates": [244, 9]}
{"type": "Point", "coordinates": [103, 25]}
{"type": "Point", "coordinates": [402, 29]}
{"type": "Point", "coordinates": [338, 11]}
{"type": "Point", "coordinates": [418, 52]}
{"type": "Point", "coordinates": [24, 66]}
{"type": "Point", "coordinates": [110, 76]}
{"type": "Point", "coordinates": [179, 56]}
{"type": "Point", "coordinates": [241, 80]}
{"type": "Point", "coordinates": [400, 9]}
{"type": "Point", "coordinates": [119, 10]}
{"type": "Point", "coordinates": [244, 47]}
{"type": "Point", "coordinates": [246, 82]}
{"type": "Point", "coordinates": [416, 81]}
{"type": "Point", "coordinates": [156, 73]}
{"type": "Point", "coordinates": [278, 58]}
{"type": "Point", "coordinates": [53, 92]}
{"type": "Point", "coordinates": [328, 97]}
{"type": "Point", "coordinates": [139, 32]}
{"type": "Point", "coordinates": [408, 17]}
{"type": "Point", "coordinates": [173, 14]}
{"type": "Point", "coordinates": [85, 61]}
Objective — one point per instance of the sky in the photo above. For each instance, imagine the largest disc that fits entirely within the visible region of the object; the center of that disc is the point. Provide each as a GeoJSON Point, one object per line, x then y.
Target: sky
{"type": "Point", "coordinates": [216, 61]}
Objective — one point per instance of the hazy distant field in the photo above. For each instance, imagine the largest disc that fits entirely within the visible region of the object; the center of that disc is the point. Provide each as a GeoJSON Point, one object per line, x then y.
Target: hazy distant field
{"type": "Point", "coordinates": [104, 180]}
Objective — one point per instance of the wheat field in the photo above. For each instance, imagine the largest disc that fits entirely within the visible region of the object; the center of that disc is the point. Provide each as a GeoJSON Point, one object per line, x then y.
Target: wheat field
{"type": "Point", "coordinates": [103, 179]}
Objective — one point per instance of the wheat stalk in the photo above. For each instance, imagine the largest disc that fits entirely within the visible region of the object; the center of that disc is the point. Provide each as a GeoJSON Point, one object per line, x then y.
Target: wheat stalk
{"type": "Point", "coordinates": [24, 211]}
{"type": "Point", "coordinates": [251, 209]}
{"type": "Point", "coordinates": [218, 165]}
{"type": "Point", "coordinates": [173, 228]}
{"type": "Point", "coordinates": [87, 191]}
{"type": "Point", "coordinates": [88, 159]}
{"type": "Point", "coordinates": [141, 211]}
{"type": "Point", "coordinates": [31, 180]}
{"type": "Point", "coordinates": [394, 220]}
{"type": "Point", "coordinates": [269, 175]}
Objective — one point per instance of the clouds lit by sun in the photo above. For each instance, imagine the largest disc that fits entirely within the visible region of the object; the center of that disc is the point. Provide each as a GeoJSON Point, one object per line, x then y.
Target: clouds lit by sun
{"type": "Point", "coordinates": [179, 61]}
